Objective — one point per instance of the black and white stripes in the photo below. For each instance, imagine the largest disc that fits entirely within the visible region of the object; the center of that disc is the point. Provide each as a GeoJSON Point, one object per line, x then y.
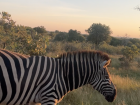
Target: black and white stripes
{"type": "Point", "coordinates": [46, 80]}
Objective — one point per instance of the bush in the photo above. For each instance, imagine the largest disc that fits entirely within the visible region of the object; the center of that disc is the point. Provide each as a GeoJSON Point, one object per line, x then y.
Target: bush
{"type": "Point", "coordinates": [60, 47]}
{"type": "Point", "coordinates": [130, 52]}
{"type": "Point", "coordinates": [125, 62]}
{"type": "Point", "coordinates": [54, 47]}
{"type": "Point", "coordinates": [103, 46]}
{"type": "Point", "coordinates": [115, 63]}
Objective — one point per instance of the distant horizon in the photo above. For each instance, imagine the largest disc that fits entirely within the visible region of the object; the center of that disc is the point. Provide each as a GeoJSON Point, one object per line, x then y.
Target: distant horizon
{"type": "Point", "coordinates": [121, 36]}
{"type": "Point", "coordinates": [63, 15]}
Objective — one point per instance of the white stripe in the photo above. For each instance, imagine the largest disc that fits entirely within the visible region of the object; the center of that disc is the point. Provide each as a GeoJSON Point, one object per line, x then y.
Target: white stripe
{"type": "Point", "coordinates": [72, 58]}
{"type": "Point", "coordinates": [81, 58]}
{"type": "Point", "coordinates": [1, 93]}
{"type": "Point", "coordinates": [27, 81]}
{"type": "Point", "coordinates": [7, 81]}
{"type": "Point", "coordinates": [34, 80]}
{"type": "Point", "coordinates": [68, 60]}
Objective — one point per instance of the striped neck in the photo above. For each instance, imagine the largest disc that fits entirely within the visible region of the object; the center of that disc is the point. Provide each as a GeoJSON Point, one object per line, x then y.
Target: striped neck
{"type": "Point", "coordinates": [77, 70]}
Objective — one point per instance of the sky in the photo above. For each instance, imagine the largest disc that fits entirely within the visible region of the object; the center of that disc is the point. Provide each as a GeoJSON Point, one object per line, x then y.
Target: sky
{"type": "Point", "coordinates": [63, 15]}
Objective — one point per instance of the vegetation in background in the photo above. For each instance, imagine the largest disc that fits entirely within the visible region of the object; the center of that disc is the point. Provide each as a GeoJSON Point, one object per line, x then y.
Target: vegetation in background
{"type": "Point", "coordinates": [124, 53]}
{"type": "Point", "coordinates": [22, 39]}
{"type": "Point", "coordinates": [99, 33]}
{"type": "Point", "coordinates": [129, 53]}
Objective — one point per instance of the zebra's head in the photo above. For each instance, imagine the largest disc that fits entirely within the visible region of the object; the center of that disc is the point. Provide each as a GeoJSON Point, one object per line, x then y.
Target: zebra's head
{"type": "Point", "coordinates": [102, 81]}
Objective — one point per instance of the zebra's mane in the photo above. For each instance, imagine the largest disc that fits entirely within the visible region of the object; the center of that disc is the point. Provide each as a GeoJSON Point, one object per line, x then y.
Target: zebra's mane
{"type": "Point", "coordinates": [100, 55]}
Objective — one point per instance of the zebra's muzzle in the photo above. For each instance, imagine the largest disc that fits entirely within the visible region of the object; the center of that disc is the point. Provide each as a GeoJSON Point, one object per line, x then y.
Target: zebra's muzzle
{"type": "Point", "coordinates": [110, 98]}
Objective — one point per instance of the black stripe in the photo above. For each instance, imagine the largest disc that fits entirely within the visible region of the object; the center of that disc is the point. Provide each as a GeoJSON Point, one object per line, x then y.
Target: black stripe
{"type": "Point", "coordinates": [70, 74]}
{"type": "Point", "coordinates": [87, 70]}
{"type": "Point", "coordinates": [76, 73]}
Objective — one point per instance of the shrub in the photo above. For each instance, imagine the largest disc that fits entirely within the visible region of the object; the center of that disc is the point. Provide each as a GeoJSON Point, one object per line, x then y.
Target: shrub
{"type": "Point", "coordinates": [110, 49]}
{"type": "Point", "coordinates": [130, 52]}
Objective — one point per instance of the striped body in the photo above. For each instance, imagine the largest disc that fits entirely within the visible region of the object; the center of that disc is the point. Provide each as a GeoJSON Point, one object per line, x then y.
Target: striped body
{"type": "Point", "coordinates": [46, 80]}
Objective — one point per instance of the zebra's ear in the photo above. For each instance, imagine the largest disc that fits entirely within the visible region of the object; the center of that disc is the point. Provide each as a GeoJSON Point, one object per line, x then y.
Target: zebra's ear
{"type": "Point", "coordinates": [105, 63]}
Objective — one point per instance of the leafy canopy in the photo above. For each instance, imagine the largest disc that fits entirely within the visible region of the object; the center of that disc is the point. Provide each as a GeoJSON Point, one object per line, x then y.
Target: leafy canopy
{"type": "Point", "coordinates": [98, 33]}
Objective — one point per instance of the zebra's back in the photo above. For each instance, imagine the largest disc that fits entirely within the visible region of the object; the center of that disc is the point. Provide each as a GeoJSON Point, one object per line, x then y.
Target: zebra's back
{"type": "Point", "coordinates": [22, 77]}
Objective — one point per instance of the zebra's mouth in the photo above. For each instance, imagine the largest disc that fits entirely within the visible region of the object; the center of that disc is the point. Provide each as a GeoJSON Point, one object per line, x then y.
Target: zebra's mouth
{"type": "Point", "coordinates": [110, 98]}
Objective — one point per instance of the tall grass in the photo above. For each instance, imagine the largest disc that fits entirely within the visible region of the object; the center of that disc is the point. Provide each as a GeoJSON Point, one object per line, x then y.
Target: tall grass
{"type": "Point", "coordinates": [128, 93]}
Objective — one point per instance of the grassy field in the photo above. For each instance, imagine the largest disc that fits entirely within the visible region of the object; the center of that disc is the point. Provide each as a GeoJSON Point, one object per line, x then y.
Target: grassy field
{"type": "Point", "coordinates": [128, 93]}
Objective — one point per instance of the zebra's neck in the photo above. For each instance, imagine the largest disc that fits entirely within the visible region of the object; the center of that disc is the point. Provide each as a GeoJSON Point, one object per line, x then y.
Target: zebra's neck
{"type": "Point", "coordinates": [76, 71]}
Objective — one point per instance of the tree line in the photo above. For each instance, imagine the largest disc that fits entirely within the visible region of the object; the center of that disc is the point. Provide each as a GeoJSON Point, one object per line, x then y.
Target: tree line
{"type": "Point", "coordinates": [34, 41]}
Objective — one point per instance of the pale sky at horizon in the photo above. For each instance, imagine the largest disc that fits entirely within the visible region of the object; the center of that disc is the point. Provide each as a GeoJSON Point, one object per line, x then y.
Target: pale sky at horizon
{"type": "Point", "coordinates": [63, 15]}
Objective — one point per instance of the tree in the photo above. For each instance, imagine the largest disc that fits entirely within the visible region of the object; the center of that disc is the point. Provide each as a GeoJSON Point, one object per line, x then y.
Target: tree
{"type": "Point", "coordinates": [115, 41]}
{"type": "Point", "coordinates": [40, 29]}
{"type": "Point", "coordinates": [7, 26]}
{"type": "Point", "coordinates": [99, 32]}
{"type": "Point", "coordinates": [20, 38]}
{"type": "Point", "coordinates": [74, 35]}
{"type": "Point", "coordinates": [61, 36]}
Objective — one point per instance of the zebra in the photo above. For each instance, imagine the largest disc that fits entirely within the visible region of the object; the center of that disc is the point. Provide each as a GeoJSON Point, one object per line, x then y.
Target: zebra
{"type": "Point", "coordinates": [40, 79]}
